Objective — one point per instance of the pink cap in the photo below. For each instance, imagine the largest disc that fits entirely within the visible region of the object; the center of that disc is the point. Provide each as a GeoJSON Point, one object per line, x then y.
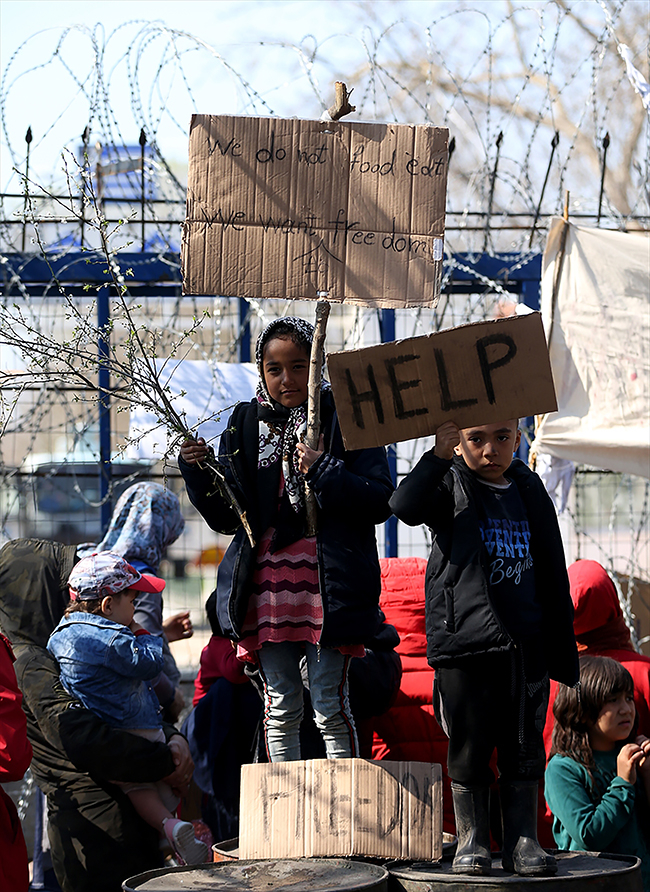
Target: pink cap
{"type": "Point", "coordinates": [105, 573]}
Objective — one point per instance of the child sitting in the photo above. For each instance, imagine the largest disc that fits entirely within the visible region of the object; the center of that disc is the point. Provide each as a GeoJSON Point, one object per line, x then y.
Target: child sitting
{"type": "Point", "coordinates": [598, 776]}
{"type": "Point", "coordinates": [498, 621]}
{"type": "Point", "coordinates": [105, 660]}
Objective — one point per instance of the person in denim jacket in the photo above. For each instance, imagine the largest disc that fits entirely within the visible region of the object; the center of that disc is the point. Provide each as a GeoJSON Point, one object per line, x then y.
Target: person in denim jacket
{"type": "Point", "coordinates": [106, 660]}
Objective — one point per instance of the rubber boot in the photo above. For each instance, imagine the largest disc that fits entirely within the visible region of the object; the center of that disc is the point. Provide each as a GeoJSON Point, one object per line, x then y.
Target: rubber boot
{"type": "Point", "coordinates": [522, 852]}
{"type": "Point", "coordinates": [473, 829]}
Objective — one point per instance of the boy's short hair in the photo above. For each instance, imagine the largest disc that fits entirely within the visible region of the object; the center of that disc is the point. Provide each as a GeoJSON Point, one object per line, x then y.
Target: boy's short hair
{"type": "Point", "coordinates": [105, 573]}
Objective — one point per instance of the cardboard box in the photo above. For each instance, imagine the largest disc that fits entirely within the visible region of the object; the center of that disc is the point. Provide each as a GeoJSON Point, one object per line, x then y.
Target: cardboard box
{"type": "Point", "coordinates": [472, 374]}
{"type": "Point", "coordinates": [287, 208]}
{"type": "Point", "coordinates": [341, 807]}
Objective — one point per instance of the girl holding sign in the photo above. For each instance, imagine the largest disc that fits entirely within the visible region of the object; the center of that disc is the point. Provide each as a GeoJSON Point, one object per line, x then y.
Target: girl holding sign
{"type": "Point", "coordinates": [293, 595]}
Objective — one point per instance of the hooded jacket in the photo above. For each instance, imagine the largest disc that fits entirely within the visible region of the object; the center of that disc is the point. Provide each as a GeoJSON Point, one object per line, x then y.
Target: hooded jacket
{"type": "Point", "coordinates": [15, 756]}
{"type": "Point", "coordinates": [460, 618]}
{"type": "Point", "coordinates": [352, 490]}
{"type": "Point", "coordinates": [97, 837]}
{"type": "Point", "coordinates": [146, 520]}
{"type": "Point", "coordinates": [600, 630]}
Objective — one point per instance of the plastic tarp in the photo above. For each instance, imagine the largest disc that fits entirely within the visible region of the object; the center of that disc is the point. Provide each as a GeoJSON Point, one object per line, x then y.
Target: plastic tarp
{"type": "Point", "coordinates": [596, 313]}
{"type": "Point", "coordinates": [202, 393]}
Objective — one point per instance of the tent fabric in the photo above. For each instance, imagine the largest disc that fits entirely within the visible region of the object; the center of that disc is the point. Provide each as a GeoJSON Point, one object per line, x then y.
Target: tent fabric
{"type": "Point", "coordinates": [598, 330]}
{"type": "Point", "coordinates": [203, 393]}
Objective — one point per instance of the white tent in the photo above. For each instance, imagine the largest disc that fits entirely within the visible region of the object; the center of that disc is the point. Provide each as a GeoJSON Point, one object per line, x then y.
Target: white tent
{"type": "Point", "coordinates": [202, 393]}
{"type": "Point", "coordinates": [596, 312]}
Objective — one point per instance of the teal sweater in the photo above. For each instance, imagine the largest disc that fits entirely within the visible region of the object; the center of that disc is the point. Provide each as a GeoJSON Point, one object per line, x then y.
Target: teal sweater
{"type": "Point", "coordinates": [608, 824]}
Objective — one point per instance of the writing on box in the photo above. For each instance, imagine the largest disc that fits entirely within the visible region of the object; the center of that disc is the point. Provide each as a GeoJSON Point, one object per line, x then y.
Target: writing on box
{"type": "Point", "coordinates": [305, 209]}
{"type": "Point", "coordinates": [473, 374]}
{"type": "Point", "coordinates": [325, 807]}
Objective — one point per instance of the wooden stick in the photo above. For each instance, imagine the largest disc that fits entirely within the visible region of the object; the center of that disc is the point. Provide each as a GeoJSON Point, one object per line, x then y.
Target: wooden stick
{"type": "Point", "coordinates": [313, 403]}
{"type": "Point", "coordinates": [557, 275]}
{"type": "Point", "coordinates": [341, 102]}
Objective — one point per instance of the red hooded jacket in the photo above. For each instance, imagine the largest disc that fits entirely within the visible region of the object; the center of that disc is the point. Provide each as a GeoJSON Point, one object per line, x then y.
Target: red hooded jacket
{"type": "Point", "coordinates": [409, 730]}
{"type": "Point", "coordinates": [15, 756]}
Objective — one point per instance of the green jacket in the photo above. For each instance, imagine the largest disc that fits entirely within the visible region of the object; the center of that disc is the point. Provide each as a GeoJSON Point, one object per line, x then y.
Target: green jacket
{"type": "Point", "coordinates": [604, 822]}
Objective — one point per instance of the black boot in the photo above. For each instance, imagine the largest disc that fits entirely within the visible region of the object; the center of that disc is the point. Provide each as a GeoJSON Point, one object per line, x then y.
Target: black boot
{"type": "Point", "coordinates": [473, 829]}
{"type": "Point", "coordinates": [522, 853]}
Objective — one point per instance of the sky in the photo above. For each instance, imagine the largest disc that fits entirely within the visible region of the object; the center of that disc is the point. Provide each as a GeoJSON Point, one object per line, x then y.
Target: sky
{"type": "Point", "coordinates": [219, 22]}
{"type": "Point", "coordinates": [215, 20]}
{"type": "Point", "coordinates": [232, 27]}
{"type": "Point", "coordinates": [249, 57]}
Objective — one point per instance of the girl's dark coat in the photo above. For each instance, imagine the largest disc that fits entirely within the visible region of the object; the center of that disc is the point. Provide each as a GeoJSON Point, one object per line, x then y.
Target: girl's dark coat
{"type": "Point", "coordinates": [352, 491]}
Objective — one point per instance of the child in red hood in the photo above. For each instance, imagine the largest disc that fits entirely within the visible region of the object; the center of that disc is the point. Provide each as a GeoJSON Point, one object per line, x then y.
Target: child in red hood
{"type": "Point", "coordinates": [601, 630]}
{"type": "Point", "coordinates": [15, 756]}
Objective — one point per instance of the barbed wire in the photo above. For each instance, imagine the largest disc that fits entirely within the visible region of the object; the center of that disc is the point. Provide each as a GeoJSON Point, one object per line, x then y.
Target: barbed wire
{"type": "Point", "coordinates": [508, 79]}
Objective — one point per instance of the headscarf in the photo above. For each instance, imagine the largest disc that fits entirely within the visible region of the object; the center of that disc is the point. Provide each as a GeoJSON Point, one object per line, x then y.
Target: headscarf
{"type": "Point", "coordinates": [33, 588]}
{"type": "Point", "coordinates": [598, 620]}
{"type": "Point", "coordinates": [280, 428]}
{"type": "Point", "coordinates": [146, 520]}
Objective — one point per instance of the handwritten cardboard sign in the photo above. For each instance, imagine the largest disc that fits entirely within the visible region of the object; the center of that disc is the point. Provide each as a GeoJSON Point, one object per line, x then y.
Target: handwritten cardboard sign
{"type": "Point", "coordinates": [326, 807]}
{"type": "Point", "coordinates": [473, 374]}
{"type": "Point", "coordinates": [305, 209]}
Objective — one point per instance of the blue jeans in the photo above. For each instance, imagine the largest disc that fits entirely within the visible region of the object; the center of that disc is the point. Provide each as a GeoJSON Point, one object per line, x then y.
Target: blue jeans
{"type": "Point", "coordinates": [327, 670]}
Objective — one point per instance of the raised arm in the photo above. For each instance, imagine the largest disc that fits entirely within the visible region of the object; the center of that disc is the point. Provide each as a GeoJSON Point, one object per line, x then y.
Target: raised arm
{"type": "Point", "coordinates": [590, 825]}
{"type": "Point", "coordinates": [421, 493]}
{"type": "Point", "coordinates": [201, 488]}
{"type": "Point", "coordinates": [355, 486]}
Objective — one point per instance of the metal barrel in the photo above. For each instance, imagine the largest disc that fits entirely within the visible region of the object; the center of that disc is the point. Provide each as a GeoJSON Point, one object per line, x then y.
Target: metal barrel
{"type": "Point", "coordinates": [577, 872]}
{"type": "Point", "coordinates": [267, 875]}
{"type": "Point", "coordinates": [228, 850]}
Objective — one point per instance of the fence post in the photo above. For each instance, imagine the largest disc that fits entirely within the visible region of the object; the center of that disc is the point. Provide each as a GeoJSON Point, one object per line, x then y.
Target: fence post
{"type": "Point", "coordinates": [143, 143]}
{"type": "Point", "coordinates": [244, 331]}
{"type": "Point", "coordinates": [387, 330]}
{"type": "Point", "coordinates": [28, 140]}
{"type": "Point", "coordinates": [104, 381]}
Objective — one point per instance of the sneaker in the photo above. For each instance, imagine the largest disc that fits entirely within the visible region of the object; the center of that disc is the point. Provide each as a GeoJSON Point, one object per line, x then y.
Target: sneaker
{"type": "Point", "coordinates": [186, 845]}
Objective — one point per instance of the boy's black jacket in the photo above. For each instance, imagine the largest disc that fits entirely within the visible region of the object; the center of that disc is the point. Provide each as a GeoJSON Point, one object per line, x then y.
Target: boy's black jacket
{"type": "Point", "coordinates": [352, 489]}
{"type": "Point", "coordinates": [461, 620]}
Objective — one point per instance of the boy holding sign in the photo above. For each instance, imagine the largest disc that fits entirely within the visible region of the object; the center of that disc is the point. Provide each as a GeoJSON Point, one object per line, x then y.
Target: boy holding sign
{"type": "Point", "coordinates": [499, 622]}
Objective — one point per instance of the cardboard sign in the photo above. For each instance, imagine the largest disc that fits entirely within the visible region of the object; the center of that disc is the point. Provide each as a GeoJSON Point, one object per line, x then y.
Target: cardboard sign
{"type": "Point", "coordinates": [473, 374]}
{"type": "Point", "coordinates": [305, 209]}
{"type": "Point", "coordinates": [328, 807]}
